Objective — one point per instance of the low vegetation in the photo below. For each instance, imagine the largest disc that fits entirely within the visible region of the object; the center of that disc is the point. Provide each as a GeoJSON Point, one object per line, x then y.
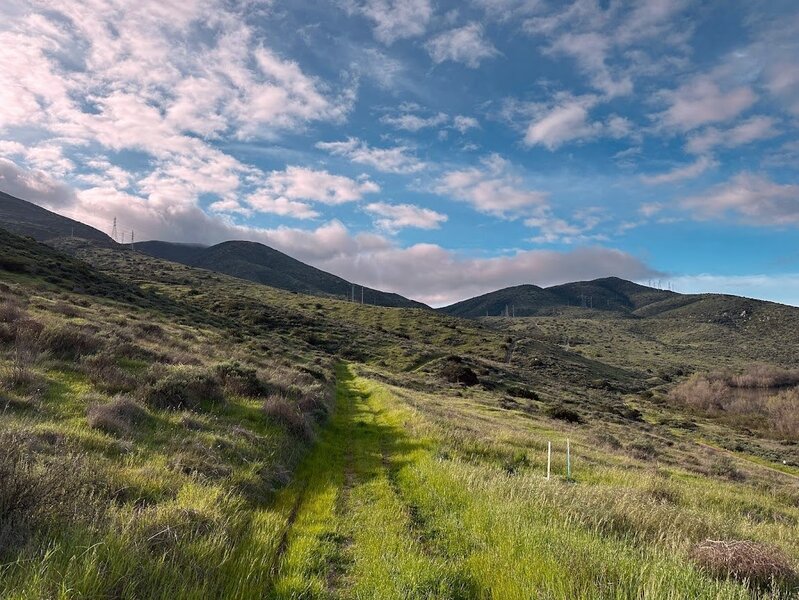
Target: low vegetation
{"type": "Point", "coordinates": [174, 433]}
{"type": "Point", "coordinates": [762, 398]}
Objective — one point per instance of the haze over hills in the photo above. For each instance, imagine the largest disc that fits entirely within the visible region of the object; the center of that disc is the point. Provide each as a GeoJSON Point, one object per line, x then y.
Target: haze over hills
{"type": "Point", "coordinates": [247, 260]}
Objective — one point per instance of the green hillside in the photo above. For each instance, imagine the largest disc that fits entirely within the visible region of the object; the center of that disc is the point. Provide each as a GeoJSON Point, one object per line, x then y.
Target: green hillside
{"type": "Point", "coordinates": [172, 432]}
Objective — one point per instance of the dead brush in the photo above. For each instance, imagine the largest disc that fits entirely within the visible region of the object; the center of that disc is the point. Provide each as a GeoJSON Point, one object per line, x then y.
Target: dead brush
{"type": "Point", "coordinates": [287, 414]}
{"type": "Point", "coordinates": [754, 563]}
{"type": "Point", "coordinates": [119, 417]}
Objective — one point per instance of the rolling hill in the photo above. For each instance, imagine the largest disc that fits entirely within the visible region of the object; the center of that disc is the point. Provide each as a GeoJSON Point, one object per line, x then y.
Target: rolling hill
{"type": "Point", "coordinates": [609, 294]}
{"type": "Point", "coordinates": [246, 260]}
{"type": "Point", "coordinates": [262, 264]}
{"type": "Point", "coordinates": [25, 218]}
{"type": "Point", "coordinates": [172, 432]}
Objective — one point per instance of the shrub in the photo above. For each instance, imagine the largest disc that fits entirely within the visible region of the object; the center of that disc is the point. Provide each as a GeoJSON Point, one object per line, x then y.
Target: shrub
{"type": "Point", "coordinates": [119, 416]}
{"type": "Point", "coordinates": [35, 495]}
{"type": "Point", "coordinates": [184, 388]}
{"type": "Point", "coordinates": [454, 371]}
{"type": "Point", "coordinates": [240, 380]}
{"type": "Point", "coordinates": [758, 564]}
{"type": "Point", "coordinates": [104, 373]}
{"type": "Point", "coordinates": [520, 392]}
{"type": "Point", "coordinates": [564, 413]}
{"type": "Point", "coordinates": [68, 342]}
{"type": "Point", "coordinates": [724, 466]}
{"type": "Point", "coordinates": [284, 413]}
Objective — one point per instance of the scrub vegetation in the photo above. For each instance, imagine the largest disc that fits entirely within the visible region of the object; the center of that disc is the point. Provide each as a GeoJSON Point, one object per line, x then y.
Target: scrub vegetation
{"type": "Point", "coordinates": [170, 432]}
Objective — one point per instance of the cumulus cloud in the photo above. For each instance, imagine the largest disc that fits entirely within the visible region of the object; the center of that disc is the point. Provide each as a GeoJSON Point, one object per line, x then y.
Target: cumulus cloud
{"type": "Point", "coordinates": [566, 121]}
{"type": "Point", "coordinates": [612, 44]}
{"type": "Point", "coordinates": [466, 45]}
{"type": "Point", "coordinates": [703, 100]}
{"type": "Point", "coordinates": [163, 79]}
{"type": "Point", "coordinates": [369, 259]}
{"type": "Point", "coordinates": [396, 19]}
{"type": "Point", "coordinates": [397, 159]}
{"type": "Point", "coordinates": [492, 188]}
{"type": "Point", "coordinates": [751, 199]}
{"type": "Point", "coordinates": [690, 171]}
{"type": "Point", "coordinates": [756, 128]}
{"type": "Point", "coordinates": [393, 217]}
{"type": "Point", "coordinates": [464, 124]}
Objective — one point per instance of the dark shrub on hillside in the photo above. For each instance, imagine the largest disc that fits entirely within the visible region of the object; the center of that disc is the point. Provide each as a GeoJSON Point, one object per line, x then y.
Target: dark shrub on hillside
{"type": "Point", "coordinates": [454, 371]}
{"type": "Point", "coordinates": [68, 342]}
{"type": "Point", "coordinates": [119, 416]}
{"type": "Point", "coordinates": [240, 380]}
{"type": "Point", "coordinates": [314, 405]}
{"type": "Point", "coordinates": [758, 564]}
{"type": "Point", "coordinates": [32, 496]}
{"type": "Point", "coordinates": [184, 388]}
{"type": "Point", "coordinates": [725, 467]}
{"type": "Point", "coordinates": [564, 413]}
{"type": "Point", "coordinates": [520, 392]}
{"type": "Point", "coordinates": [284, 413]}
{"type": "Point", "coordinates": [106, 376]}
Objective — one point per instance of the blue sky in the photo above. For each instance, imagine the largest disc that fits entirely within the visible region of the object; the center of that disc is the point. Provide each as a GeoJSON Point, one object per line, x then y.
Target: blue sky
{"type": "Point", "coordinates": [431, 148]}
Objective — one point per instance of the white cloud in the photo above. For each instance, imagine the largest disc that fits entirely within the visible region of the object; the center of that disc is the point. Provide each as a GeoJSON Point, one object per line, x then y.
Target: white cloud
{"type": "Point", "coordinates": [464, 124]}
{"type": "Point", "coordinates": [752, 199]}
{"type": "Point", "coordinates": [397, 159]}
{"type": "Point", "coordinates": [163, 78]}
{"type": "Point", "coordinates": [615, 42]}
{"type": "Point", "coordinates": [703, 100]}
{"type": "Point", "coordinates": [753, 129]}
{"type": "Point", "coordinates": [564, 122]}
{"type": "Point", "coordinates": [393, 217]}
{"type": "Point", "coordinates": [369, 259]}
{"type": "Point", "coordinates": [288, 192]}
{"type": "Point", "coordinates": [466, 45]}
{"type": "Point", "coordinates": [696, 168]}
{"type": "Point", "coordinates": [397, 19]}
{"type": "Point", "coordinates": [492, 189]}
{"type": "Point", "coordinates": [412, 122]}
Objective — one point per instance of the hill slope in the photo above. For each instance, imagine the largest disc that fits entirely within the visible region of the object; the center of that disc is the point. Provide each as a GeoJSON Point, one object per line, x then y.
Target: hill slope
{"type": "Point", "coordinates": [262, 264]}
{"type": "Point", "coordinates": [607, 294]}
{"type": "Point", "coordinates": [25, 218]}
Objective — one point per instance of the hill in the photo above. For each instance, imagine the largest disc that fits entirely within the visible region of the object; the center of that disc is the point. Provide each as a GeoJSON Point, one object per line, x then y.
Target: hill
{"type": "Point", "coordinates": [25, 218]}
{"type": "Point", "coordinates": [173, 432]}
{"type": "Point", "coordinates": [262, 264]}
{"type": "Point", "coordinates": [610, 294]}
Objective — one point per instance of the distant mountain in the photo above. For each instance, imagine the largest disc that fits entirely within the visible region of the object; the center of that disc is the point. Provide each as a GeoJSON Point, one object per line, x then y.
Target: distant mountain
{"type": "Point", "coordinates": [608, 294]}
{"type": "Point", "coordinates": [262, 264]}
{"type": "Point", "coordinates": [28, 219]}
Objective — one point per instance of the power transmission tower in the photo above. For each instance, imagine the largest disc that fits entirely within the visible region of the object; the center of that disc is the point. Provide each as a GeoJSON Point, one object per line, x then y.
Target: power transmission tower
{"type": "Point", "coordinates": [114, 230]}
{"type": "Point", "coordinates": [361, 294]}
{"type": "Point", "coordinates": [131, 239]}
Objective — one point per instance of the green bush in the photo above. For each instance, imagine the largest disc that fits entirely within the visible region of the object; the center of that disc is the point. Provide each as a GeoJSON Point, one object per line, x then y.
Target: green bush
{"type": "Point", "coordinates": [188, 388]}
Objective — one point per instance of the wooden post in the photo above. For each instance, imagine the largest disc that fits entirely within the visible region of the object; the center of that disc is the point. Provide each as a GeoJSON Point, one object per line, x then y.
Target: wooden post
{"type": "Point", "coordinates": [549, 458]}
{"type": "Point", "coordinates": [568, 459]}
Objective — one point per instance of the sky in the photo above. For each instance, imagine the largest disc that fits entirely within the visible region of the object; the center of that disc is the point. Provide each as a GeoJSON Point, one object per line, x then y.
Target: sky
{"type": "Point", "coordinates": [436, 149]}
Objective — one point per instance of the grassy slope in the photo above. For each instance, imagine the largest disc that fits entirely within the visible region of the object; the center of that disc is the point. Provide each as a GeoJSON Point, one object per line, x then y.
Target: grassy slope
{"type": "Point", "coordinates": [416, 488]}
{"type": "Point", "coordinates": [403, 501]}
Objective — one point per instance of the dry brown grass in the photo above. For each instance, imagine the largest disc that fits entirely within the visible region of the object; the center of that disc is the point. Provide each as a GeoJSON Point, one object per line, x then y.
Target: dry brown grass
{"type": "Point", "coordinates": [756, 399]}
{"type": "Point", "coordinates": [119, 416]}
{"type": "Point", "coordinates": [285, 413]}
{"type": "Point", "coordinates": [756, 563]}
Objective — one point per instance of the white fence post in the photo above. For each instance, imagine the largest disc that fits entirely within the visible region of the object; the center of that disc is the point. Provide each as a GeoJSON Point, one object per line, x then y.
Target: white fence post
{"type": "Point", "coordinates": [549, 458]}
